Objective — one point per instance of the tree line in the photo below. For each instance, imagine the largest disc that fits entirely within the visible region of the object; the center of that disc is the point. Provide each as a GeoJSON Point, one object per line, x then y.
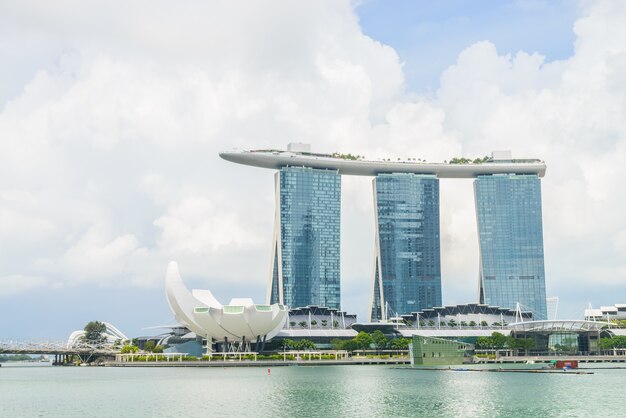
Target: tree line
{"type": "Point", "coordinates": [500, 341]}
{"type": "Point", "coordinates": [367, 341]}
{"type": "Point", "coordinates": [363, 341]}
{"type": "Point", "coordinates": [17, 357]}
{"type": "Point", "coordinates": [619, 341]}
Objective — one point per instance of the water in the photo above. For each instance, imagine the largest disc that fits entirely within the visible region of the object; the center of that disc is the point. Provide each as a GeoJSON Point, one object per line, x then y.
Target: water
{"type": "Point", "coordinates": [325, 391]}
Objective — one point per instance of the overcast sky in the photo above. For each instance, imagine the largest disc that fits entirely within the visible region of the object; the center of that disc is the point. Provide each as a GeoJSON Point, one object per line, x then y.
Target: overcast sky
{"type": "Point", "coordinates": [112, 115]}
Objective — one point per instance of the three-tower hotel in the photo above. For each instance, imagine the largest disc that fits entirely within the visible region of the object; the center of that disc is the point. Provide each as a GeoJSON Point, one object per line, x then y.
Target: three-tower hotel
{"type": "Point", "coordinates": [305, 265]}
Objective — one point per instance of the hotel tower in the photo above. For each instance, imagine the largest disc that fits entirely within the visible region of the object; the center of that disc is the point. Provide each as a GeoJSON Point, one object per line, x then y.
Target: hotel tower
{"type": "Point", "coordinates": [305, 265]}
{"type": "Point", "coordinates": [407, 265]}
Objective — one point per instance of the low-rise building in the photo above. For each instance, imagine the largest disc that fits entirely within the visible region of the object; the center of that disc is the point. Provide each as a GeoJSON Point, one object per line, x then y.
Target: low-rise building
{"type": "Point", "coordinates": [607, 313]}
{"type": "Point", "coordinates": [429, 351]}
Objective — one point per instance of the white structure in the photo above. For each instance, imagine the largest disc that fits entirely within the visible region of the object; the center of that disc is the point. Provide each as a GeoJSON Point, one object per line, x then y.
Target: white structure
{"type": "Point", "coordinates": [475, 313]}
{"type": "Point", "coordinates": [606, 313]}
{"type": "Point", "coordinates": [111, 336]}
{"type": "Point", "coordinates": [552, 304]}
{"type": "Point", "coordinates": [239, 321]}
{"type": "Point", "coordinates": [300, 155]}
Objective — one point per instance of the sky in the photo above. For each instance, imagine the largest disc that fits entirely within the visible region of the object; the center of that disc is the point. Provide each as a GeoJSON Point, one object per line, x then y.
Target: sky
{"type": "Point", "coordinates": [112, 115]}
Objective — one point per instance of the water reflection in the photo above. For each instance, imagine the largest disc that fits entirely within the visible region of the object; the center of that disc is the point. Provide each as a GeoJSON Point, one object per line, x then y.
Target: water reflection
{"type": "Point", "coordinates": [328, 391]}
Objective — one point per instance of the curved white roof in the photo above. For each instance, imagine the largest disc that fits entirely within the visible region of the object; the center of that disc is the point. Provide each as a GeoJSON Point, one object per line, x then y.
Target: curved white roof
{"type": "Point", "coordinates": [111, 335]}
{"type": "Point", "coordinates": [276, 159]}
{"type": "Point", "coordinates": [562, 325]}
{"type": "Point", "coordinates": [452, 333]}
{"type": "Point", "coordinates": [199, 311]}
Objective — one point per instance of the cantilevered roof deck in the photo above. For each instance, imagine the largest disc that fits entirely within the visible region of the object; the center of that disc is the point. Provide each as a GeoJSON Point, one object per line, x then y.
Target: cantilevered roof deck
{"type": "Point", "coordinates": [276, 159]}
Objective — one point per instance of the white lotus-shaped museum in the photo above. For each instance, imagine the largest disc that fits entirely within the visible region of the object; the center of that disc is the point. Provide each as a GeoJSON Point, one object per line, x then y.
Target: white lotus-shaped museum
{"type": "Point", "coordinates": [240, 320]}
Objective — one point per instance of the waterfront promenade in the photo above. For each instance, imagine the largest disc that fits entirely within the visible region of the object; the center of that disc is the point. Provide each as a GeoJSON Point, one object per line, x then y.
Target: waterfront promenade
{"type": "Point", "coordinates": [262, 363]}
{"type": "Point", "coordinates": [355, 361]}
{"type": "Point", "coordinates": [548, 359]}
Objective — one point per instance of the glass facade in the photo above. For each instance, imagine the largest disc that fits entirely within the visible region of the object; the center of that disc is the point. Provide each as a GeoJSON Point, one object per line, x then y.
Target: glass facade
{"type": "Point", "coordinates": [407, 271]}
{"type": "Point", "coordinates": [510, 233]}
{"type": "Point", "coordinates": [306, 251]}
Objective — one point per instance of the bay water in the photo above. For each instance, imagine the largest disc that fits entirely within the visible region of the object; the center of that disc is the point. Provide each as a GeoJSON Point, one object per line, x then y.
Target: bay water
{"type": "Point", "coordinates": [306, 391]}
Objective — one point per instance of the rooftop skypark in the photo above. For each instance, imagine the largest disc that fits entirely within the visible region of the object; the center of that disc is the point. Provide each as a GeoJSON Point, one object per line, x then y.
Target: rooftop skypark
{"type": "Point", "coordinates": [500, 162]}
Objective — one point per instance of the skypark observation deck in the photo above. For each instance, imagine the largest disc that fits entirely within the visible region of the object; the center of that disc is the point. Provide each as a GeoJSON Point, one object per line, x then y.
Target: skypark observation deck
{"type": "Point", "coordinates": [276, 159]}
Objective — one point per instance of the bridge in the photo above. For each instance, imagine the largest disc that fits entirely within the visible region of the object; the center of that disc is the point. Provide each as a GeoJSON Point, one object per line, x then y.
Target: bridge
{"type": "Point", "coordinates": [62, 351]}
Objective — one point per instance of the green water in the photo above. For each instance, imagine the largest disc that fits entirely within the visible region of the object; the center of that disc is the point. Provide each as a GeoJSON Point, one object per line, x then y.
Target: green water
{"type": "Point", "coordinates": [326, 391]}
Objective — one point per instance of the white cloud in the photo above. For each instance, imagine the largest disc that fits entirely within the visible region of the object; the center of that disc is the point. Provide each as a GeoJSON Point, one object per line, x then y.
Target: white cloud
{"type": "Point", "coordinates": [17, 283]}
{"type": "Point", "coordinates": [97, 256]}
{"type": "Point", "coordinates": [108, 156]}
{"type": "Point", "coordinates": [113, 145]}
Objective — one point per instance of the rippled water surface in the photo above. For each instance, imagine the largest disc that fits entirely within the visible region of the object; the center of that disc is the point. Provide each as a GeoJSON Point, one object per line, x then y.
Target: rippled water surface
{"type": "Point", "coordinates": [328, 391]}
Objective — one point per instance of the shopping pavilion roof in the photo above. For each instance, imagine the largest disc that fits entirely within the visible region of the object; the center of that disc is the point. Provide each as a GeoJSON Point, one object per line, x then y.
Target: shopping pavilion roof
{"type": "Point", "coordinates": [564, 325]}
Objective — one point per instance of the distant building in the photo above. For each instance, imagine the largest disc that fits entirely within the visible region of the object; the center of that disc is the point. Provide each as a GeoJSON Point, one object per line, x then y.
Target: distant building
{"type": "Point", "coordinates": [607, 313]}
{"type": "Point", "coordinates": [318, 324]}
{"type": "Point", "coordinates": [510, 232]}
{"type": "Point", "coordinates": [407, 267]}
{"type": "Point", "coordinates": [317, 317]}
{"type": "Point", "coordinates": [430, 351]}
{"type": "Point", "coordinates": [468, 315]}
{"type": "Point", "coordinates": [573, 337]}
{"type": "Point", "coordinates": [305, 254]}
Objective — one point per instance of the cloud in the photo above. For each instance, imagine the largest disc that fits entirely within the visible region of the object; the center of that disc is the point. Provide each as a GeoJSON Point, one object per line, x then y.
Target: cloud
{"type": "Point", "coordinates": [109, 154]}
{"type": "Point", "coordinates": [108, 157]}
{"type": "Point", "coordinates": [568, 113]}
{"type": "Point", "coordinates": [16, 283]}
{"type": "Point", "coordinates": [97, 256]}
